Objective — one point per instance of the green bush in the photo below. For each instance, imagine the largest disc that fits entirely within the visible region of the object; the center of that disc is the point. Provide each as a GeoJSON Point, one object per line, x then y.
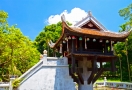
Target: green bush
{"type": "Point", "coordinates": [16, 82]}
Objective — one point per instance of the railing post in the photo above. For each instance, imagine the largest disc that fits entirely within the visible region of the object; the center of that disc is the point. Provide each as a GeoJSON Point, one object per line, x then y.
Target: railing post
{"type": "Point", "coordinates": [44, 57]}
{"type": "Point", "coordinates": [10, 83]}
{"type": "Point", "coordinates": [105, 81]}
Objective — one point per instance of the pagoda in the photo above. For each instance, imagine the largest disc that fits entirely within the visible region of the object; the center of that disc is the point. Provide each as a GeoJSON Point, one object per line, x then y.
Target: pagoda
{"type": "Point", "coordinates": [85, 44]}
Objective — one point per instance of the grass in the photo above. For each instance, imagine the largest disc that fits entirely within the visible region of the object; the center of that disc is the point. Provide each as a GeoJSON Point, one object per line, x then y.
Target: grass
{"type": "Point", "coordinates": [108, 81]}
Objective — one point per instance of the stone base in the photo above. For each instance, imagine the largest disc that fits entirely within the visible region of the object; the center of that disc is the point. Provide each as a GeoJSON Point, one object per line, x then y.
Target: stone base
{"type": "Point", "coordinates": [85, 86]}
{"type": "Point", "coordinates": [86, 74]}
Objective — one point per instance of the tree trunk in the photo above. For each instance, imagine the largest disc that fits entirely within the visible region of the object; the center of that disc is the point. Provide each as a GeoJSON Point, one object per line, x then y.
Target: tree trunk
{"type": "Point", "coordinates": [120, 68]}
{"type": "Point", "coordinates": [127, 61]}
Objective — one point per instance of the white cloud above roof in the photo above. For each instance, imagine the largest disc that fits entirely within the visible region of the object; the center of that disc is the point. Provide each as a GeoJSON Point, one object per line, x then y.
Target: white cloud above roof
{"type": "Point", "coordinates": [75, 15]}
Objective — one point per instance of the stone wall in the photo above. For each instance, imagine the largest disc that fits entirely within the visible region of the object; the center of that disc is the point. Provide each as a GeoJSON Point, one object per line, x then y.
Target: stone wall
{"type": "Point", "coordinates": [52, 74]}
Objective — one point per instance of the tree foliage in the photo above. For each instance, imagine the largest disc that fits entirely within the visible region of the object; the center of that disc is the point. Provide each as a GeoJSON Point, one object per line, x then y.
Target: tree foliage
{"type": "Point", "coordinates": [50, 32]}
{"type": "Point", "coordinates": [17, 52]}
{"type": "Point", "coordinates": [126, 13]}
{"type": "Point", "coordinates": [124, 49]}
{"type": "Point", "coordinates": [3, 17]}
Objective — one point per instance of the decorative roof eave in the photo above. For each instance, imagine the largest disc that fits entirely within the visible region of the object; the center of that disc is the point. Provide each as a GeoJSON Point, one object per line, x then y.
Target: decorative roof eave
{"type": "Point", "coordinates": [121, 35]}
{"type": "Point", "coordinates": [101, 34]}
{"type": "Point", "coordinates": [93, 19]}
{"type": "Point", "coordinates": [62, 34]}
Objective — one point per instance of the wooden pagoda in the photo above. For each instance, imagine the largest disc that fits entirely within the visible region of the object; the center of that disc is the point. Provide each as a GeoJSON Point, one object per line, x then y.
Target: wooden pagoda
{"type": "Point", "coordinates": [88, 40]}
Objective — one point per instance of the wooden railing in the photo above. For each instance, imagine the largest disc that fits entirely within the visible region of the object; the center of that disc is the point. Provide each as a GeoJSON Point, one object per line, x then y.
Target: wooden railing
{"type": "Point", "coordinates": [94, 51]}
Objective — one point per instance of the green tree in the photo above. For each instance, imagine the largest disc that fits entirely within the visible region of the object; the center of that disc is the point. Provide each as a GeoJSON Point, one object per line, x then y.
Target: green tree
{"type": "Point", "coordinates": [3, 17]}
{"type": "Point", "coordinates": [124, 49]}
{"type": "Point", "coordinates": [17, 52]}
{"type": "Point", "coordinates": [117, 52]}
{"type": "Point", "coordinates": [50, 32]}
{"type": "Point", "coordinates": [127, 14]}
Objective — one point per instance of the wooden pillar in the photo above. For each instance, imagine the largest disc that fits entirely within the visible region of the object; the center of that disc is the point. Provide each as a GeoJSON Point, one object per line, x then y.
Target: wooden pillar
{"type": "Point", "coordinates": [73, 46]}
{"type": "Point", "coordinates": [72, 57]}
{"type": "Point", "coordinates": [53, 52]}
{"type": "Point", "coordinates": [76, 44]}
{"type": "Point", "coordinates": [111, 45]}
{"type": "Point", "coordinates": [73, 64]}
{"type": "Point", "coordinates": [101, 64]}
{"type": "Point", "coordinates": [105, 47]}
{"type": "Point", "coordinates": [80, 45]}
{"type": "Point", "coordinates": [95, 64]}
{"type": "Point", "coordinates": [113, 68]}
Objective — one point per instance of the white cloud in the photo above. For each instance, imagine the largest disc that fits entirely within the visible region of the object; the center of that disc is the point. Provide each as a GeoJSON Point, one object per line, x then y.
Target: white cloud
{"type": "Point", "coordinates": [74, 16]}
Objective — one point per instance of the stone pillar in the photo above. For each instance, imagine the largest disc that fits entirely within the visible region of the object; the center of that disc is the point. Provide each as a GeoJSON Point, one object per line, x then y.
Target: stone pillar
{"type": "Point", "coordinates": [44, 57]}
{"type": "Point", "coordinates": [86, 74]}
{"type": "Point", "coordinates": [10, 84]}
{"type": "Point", "coordinates": [105, 81]}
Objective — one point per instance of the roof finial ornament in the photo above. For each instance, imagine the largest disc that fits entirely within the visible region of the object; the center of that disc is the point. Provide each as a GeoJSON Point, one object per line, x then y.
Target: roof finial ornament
{"type": "Point", "coordinates": [89, 13]}
{"type": "Point", "coordinates": [63, 18]}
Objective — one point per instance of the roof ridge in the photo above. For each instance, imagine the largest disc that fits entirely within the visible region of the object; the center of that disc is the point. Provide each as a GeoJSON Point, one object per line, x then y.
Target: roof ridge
{"type": "Point", "coordinates": [88, 18]}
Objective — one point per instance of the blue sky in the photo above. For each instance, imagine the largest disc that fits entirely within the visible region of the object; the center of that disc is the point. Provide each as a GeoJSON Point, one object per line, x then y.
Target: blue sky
{"type": "Point", "coordinates": [32, 15]}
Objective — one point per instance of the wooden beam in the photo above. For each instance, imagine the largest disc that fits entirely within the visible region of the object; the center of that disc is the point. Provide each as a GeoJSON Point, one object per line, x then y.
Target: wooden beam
{"type": "Point", "coordinates": [75, 78]}
{"type": "Point", "coordinates": [94, 70]}
{"type": "Point", "coordinates": [80, 76]}
{"type": "Point", "coordinates": [91, 77]}
{"type": "Point", "coordinates": [97, 75]}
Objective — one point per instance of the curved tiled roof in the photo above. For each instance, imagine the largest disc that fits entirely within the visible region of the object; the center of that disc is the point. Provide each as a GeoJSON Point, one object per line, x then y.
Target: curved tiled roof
{"type": "Point", "coordinates": [96, 32]}
{"type": "Point", "coordinates": [92, 32]}
{"type": "Point", "coordinates": [99, 33]}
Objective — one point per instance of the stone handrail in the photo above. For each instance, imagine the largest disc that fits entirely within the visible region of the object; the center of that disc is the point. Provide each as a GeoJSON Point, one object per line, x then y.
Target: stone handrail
{"type": "Point", "coordinates": [123, 85]}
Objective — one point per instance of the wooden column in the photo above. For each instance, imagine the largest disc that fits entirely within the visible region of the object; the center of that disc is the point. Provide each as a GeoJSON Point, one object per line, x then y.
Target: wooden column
{"type": "Point", "coordinates": [73, 46]}
{"type": "Point", "coordinates": [80, 45]}
{"type": "Point", "coordinates": [72, 57]}
{"type": "Point", "coordinates": [105, 47]}
{"type": "Point", "coordinates": [54, 53]}
{"type": "Point", "coordinates": [111, 45]}
{"type": "Point", "coordinates": [73, 64]}
{"type": "Point", "coordinates": [63, 50]}
{"type": "Point", "coordinates": [113, 68]}
{"type": "Point", "coordinates": [101, 64]}
{"type": "Point", "coordinates": [80, 76]}
{"type": "Point", "coordinates": [97, 75]}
